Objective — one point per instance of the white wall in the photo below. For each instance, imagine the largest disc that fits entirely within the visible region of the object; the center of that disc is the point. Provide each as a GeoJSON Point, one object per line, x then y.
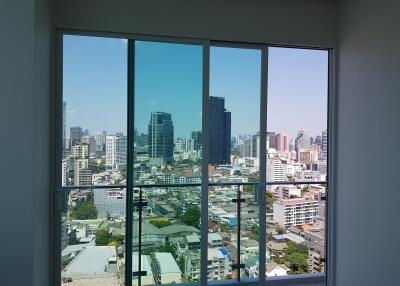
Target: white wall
{"type": "Point", "coordinates": [368, 196]}
{"type": "Point", "coordinates": [24, 121]}
{"type": "Point", "coordinates": [301, 22]}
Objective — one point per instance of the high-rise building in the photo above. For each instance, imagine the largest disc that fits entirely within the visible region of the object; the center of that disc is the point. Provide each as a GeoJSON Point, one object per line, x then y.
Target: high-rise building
{"type": "Point", "coordinates": [307, 156]}
{"type": "Point", "coordinates": [282, 142]}
{"type": "Point", "coordinates": [82, 175]}
{"type": "Point", "coordinates": [80, 151]}
{"type": "Point", "coordinates": [318, 140]}
{"type": "Point", "coordinates": [160, 138]}
{"type": "Point", "coordinates": [303, 140]}
{"type": "Point", "coordinates": [91, 142]}
{"type": "Point", "coordinates": [324, 146]}
{"type": "Point", "coordinates": [272, 140]}
{"type": "Point", "coordinates": [245, 146]}
{"type": "Point", "coordinates": [100, 141]}
{"type": "Point", "coordinates": [65, 145]}
{"type": "Point", "coordinates": [220, 132]}
{"type": "Point", "coordinates": [64, 172]}
{"type": "Point", "coordinates": [75, 135]}
{"type": "Point", "coordinates": [295, 212]}
{"type": "Point", "coordinates": [255, 146]}
{"type": "Point", "coordinates": [116, 151]}
{"type": "Point", "coordinates": [275, 170]}
{"type": "Point", "coordinates": [197, 139]}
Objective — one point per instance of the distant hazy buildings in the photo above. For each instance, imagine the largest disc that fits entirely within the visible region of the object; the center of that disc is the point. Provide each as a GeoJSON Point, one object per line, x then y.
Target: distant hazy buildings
{"type": "Point", "coordinates": [161, 138]}
{"type": "Point", "coordinates": [116, 151]}
{"type": "Point", "coordinates": [324, 146]}
{"type": "Point", "coordinates": [220, 132]}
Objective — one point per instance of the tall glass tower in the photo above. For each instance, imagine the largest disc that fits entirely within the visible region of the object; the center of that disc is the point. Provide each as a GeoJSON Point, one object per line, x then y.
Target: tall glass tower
{"type": "Point", "coordinates": [161, 138]}
{"type": "Point", "coordinates": [220, 132]}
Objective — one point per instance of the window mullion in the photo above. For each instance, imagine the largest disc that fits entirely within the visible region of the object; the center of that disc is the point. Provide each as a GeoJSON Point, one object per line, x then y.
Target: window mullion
{"type": "Point", "coordinates": [129, 182]}
{"type": "Point", "coordinates": [205, 160]}
{"type": "Point", "coordinates": [263, 166]}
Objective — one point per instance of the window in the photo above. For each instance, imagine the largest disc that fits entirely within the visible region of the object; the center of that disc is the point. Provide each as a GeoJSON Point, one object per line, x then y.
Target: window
{"type": "Point", "coordinates": [187, 161]}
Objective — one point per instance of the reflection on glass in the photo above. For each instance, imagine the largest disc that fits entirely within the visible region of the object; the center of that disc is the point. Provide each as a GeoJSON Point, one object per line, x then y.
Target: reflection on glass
{"type": "Point", "coordinates": [94, 111]}
{"type": "Point", "coordinates": [170, 238]}
{"type": "Point", "coordinates": [168, 113]}
{"type": "Point", "coordinates": [296, 229]}
{"type": "Point", "coordinates": [234, 106]}
{"type": "Point", "coordinates": [297, 115]}
{"type": "Point", "coordinates": [93, 237]}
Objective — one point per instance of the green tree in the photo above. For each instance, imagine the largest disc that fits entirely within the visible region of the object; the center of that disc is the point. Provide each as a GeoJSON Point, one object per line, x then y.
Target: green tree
{"type": "Point", "coordinates": [297, 263]}
{"type": "Point", "coordinates": [280, 230]}
{"type": "Point", "coordinates": [192, 217]}
{"type": "Point", "coordinates": [84, 210]}
{"type": "Point", "coordinates": [118, 238]}
{"type": "Point", "coordinates": [270, 198]}
{"type": "Point", "coordinates": [293, 247]}
{"type": "Point", "coordinates": [160, 223]}
{"type": "Point", "coordinates": [255, 229]}
{"type": "Point", "coordinates": [102, 237]}
{"type": "Point", "coordinates": [224, 226]}
{"type": "Point", "coordinates": [228, 277]}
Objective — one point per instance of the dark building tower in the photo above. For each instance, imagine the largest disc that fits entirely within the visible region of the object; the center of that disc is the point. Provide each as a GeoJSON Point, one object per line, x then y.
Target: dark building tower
{"type": "Point", "coordinates": [75, 135]}
{"type": "Point", "coordinates": [196, 137]}
{"type": "Point", "coordinates": [220, 132]}
{"type": "Point", "coordinates": [161, 138]}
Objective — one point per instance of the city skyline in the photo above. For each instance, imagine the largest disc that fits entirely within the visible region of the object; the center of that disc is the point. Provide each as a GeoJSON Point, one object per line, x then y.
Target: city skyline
{"type": "Point", "coordinates": [103, 61]}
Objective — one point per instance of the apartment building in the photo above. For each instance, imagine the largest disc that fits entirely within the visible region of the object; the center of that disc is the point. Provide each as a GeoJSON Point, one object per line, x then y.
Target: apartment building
{"type": "Point", "coordinates": [295, 212]}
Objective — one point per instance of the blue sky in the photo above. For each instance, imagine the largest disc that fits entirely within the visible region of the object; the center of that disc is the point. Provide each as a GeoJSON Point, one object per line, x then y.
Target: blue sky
{"type": "Point", "coordinates": [168, 77]}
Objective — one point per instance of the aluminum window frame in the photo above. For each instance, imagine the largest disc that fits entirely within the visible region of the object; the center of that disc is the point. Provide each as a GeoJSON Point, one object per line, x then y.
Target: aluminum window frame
{"type": "Point", "coordinates": [57, 149]}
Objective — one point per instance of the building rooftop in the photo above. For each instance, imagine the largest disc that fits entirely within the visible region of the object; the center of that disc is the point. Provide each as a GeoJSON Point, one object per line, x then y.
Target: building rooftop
{"type": "Point", "coordinates": [93, 261]}
{"type": "Point", "coordinates": [167, 262]}
{"type": "Point", "coordinates": [295, 202]}
{"type": "Point", "coordinates": [272, 265]}
{"type": "Point", "coordinates": [177, 228]}
{"type": "Point", "coordinates": [289, 236]}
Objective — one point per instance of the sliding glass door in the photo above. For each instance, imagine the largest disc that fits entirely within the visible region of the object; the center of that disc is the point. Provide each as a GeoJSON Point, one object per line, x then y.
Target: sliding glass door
{"type": "Point", "coordinates": [186, 162]}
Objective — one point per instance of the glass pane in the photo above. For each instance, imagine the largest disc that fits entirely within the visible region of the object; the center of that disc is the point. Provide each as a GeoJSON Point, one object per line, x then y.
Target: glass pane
{"type": "Point", "coordinates": [297, 115]}
{"type": "Point", "coordinates": [234, 112]}
{"type": "Point", "coordinates": [170, 239]}
{"type": "Point", "coordinates": [94, 110]}
{"type": "Point", "coordinates": [168, 113]}
{"type": "Point", "coordinates": [222, 233]}
{"type": "Point", "coordinates": [92, 237]}
{"type": "Point", "coordinates": [249, 232]}
{"type": "Point", "coordinates": [296, 229]}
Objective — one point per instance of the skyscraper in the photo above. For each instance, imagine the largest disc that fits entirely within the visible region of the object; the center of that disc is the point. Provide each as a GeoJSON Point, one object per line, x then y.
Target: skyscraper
{"type": "Point", "coordinates": [324, 146]}
{"type": "Point", "coordinates": [220, 132]}
{"type": "Point", "coordinates": [116, 150]}
{"type": "Point", "coordinates": [197, 140]}
{"type": "Point", "coordinates": [303, 140]}
{"type": "Point", "coordinates": [272, 140]}
{"type": "Point", "coordinates": [282, 142]}
{"type": "Point", "coordinates": [75, 135]}
{"type": "Point", "coordinates": [161, 138]}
